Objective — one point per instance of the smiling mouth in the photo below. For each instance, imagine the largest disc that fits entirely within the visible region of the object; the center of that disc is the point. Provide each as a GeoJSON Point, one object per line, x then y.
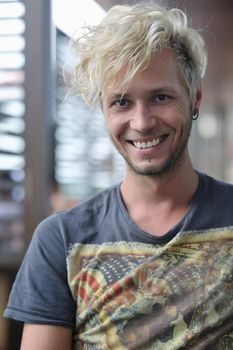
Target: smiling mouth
{"type": "Point", "coordinates": [150, 143]}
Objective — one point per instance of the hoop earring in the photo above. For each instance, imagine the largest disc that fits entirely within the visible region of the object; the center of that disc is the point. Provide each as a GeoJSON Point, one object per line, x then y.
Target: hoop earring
{"type": "Point", "coordinates": [196, 114]}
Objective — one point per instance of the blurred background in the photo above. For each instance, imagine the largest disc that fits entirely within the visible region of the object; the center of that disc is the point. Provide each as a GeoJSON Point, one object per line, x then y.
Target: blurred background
{"type": "Point", "coordinates": [54, 151]}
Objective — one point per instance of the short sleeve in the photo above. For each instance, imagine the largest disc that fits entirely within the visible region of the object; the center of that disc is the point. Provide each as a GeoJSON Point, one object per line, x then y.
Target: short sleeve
{"type": "Point", "coordinates": [40, 293]}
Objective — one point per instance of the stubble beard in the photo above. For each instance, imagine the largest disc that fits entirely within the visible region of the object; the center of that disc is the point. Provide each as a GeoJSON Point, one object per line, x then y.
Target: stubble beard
{"type": "Point", "coordinates": [171, 163]}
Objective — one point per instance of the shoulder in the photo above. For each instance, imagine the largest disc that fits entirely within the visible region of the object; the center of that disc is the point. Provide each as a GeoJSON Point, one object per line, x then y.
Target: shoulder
{"type": "Point", "coordinates": [216, 186]}
{"type": "Point", "coordinates": [217, 199]}
{"type": "Point", "coordinates": [212, 206]}
{"type": "Point", "coordinates": [71, 223]}
{"type": "Point", "coordinates": [94, 207]}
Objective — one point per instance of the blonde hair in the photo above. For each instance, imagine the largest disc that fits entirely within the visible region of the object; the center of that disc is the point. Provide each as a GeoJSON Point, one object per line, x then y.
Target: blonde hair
{"type": "Point", "coordinates": [127, 38]}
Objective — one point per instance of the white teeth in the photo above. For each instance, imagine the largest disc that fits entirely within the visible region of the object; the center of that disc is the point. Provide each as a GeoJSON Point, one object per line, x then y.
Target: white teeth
{"type": "Point", "coordinates": [148, 144]}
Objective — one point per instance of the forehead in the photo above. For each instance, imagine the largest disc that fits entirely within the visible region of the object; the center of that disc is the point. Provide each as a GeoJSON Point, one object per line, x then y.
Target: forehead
{"type": "Point", "coordinates": [162, 66]}
{"type": "Point", "coordinates": [162, 71]}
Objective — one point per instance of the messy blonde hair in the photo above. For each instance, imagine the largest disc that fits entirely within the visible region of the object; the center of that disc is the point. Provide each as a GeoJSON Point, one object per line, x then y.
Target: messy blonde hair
{"type": "Point", "coordinates": [127, 38]}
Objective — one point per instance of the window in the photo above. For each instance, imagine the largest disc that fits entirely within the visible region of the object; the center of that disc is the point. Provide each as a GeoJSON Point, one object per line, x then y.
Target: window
{"type": "Point", "coordinates": [12, 125]}
{"type": "Point", "coordinates": [85, 160]}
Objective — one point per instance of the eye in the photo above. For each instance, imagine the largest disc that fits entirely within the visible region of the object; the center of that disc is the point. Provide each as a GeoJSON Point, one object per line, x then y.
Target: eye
{"type": "Point", "coordinates": [160, 98]}
{"type": "Point", "coordinates": [121, 102]}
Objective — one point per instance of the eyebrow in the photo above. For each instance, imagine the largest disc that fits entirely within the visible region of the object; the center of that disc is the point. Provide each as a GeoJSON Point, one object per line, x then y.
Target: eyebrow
{"type": "Point", "coordinates": [119, 96]}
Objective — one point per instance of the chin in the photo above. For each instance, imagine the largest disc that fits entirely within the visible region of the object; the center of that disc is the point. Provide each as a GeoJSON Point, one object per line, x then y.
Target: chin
{"type": "Point", "coordinates": [167, 167]}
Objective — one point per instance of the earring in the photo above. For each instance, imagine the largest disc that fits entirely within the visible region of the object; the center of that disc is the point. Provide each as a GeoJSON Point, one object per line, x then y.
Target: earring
{"type": "Point", "coordinates": [196, 114]}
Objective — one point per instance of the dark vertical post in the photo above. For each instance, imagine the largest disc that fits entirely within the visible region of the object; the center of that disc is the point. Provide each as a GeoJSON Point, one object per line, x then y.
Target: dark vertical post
{"type": "Point", "coordinates": [39, 89]}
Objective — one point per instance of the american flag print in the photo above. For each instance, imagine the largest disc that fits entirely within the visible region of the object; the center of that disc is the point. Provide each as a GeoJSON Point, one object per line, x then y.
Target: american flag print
{"type": "Point", "coordinates": [139, 296]}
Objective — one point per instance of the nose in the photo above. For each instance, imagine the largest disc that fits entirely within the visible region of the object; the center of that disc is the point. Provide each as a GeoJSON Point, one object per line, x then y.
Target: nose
{"type": "Point", "coordinates": [142, 118]}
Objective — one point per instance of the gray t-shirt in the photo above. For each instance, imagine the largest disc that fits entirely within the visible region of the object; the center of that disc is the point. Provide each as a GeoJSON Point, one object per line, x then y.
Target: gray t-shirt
{"type": "Point", "coordinates": [93, 269]}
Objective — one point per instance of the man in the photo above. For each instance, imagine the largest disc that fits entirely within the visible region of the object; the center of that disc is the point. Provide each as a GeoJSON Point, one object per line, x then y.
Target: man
{"type": "Point", "coordinates": [146, 264]}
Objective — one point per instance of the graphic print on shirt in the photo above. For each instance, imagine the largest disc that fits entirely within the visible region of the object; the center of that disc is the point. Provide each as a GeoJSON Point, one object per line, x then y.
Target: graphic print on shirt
{"type": "Point", "coordinates": [139, 296]}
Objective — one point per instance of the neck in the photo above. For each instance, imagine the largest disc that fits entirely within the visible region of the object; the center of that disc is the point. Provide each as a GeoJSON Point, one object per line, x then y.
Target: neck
{"type": "Point", "coordinates": [157, 203]}
{"type": "Point", "coordinates": [182, 182]}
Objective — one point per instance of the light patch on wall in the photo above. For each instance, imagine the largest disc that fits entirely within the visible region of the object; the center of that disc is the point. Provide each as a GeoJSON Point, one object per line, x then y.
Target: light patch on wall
{"type": "Point", "coordinates": [70, 15]}
{"type": "Point", "coordinates": [208, 126]}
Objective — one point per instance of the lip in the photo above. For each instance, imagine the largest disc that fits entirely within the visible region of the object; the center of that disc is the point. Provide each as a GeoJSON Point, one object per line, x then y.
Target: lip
{"type": "Point", "coordinates": [156, 151]}
{"type": "Point", "coordinates": [144, 144]}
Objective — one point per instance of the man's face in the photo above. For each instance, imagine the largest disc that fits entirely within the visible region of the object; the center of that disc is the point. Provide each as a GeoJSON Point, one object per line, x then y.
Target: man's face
{"type": "Point", "coordinates": [150, 124]}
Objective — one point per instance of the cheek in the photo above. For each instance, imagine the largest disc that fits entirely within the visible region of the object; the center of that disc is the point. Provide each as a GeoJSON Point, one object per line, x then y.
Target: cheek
{"type": "Point", "coordinates": [115, 125]}
{"type": "Point", "coordinates": [179, 116]}
{"type": "Point", "coordinates": [172, 117]}
{"type": "Point", "coordinates": [112, 127]}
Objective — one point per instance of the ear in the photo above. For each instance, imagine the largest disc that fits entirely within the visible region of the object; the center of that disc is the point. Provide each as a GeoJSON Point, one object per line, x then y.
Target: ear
{"type": "Point", "coordinates": [197, 98]}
